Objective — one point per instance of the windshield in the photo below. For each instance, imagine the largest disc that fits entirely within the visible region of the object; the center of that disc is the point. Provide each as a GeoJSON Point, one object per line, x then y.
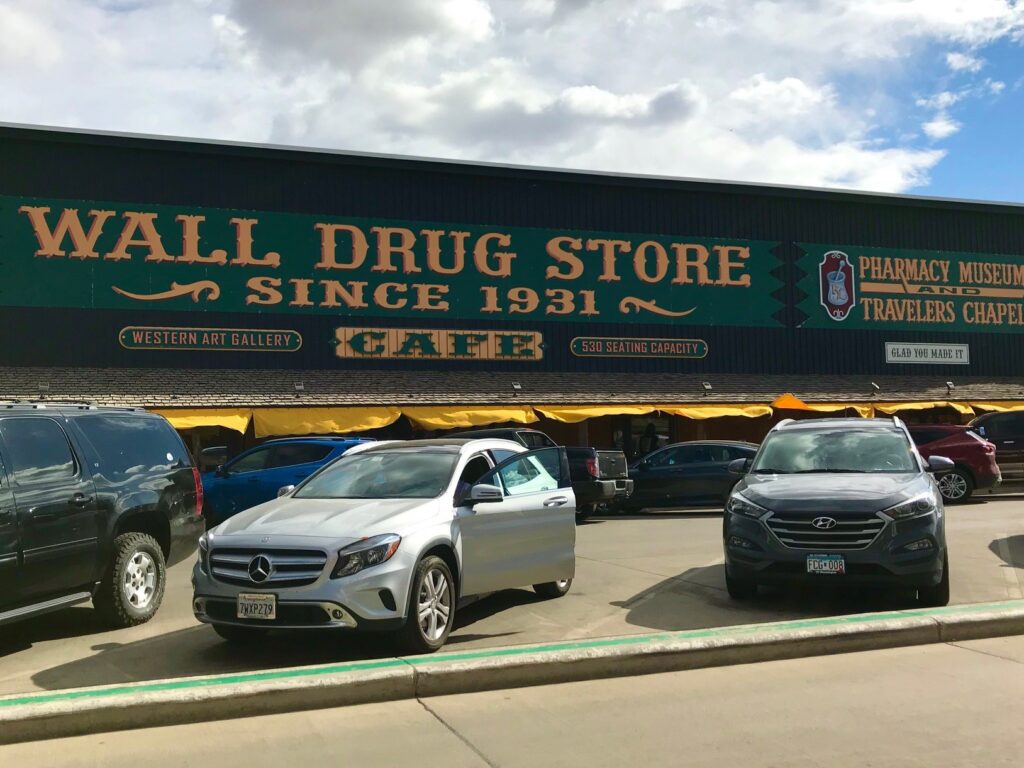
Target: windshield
{"type": "Point", "coordinates": [840, 451]}
{"type": "Point", "coordinates": [382, 475]}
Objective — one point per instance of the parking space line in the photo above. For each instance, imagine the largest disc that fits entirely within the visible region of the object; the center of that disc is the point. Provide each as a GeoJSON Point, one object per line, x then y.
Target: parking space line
{"type": "Point", "coordinates": [1010, 572]}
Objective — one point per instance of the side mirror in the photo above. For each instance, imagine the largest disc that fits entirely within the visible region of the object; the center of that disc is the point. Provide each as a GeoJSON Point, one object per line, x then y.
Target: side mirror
{"type": "Point", "coordinates": [483, 493]}
{"type": "Point", "coordinates": [285, 490]}
{"type": "Point", "coordinates": [940, 464]}
{"type": "Point", "coordinates": [739, 466]}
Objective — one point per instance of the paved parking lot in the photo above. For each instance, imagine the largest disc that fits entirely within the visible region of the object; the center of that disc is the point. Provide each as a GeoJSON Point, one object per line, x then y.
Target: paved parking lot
{"type": "Point", "coordinates": [651, 572]}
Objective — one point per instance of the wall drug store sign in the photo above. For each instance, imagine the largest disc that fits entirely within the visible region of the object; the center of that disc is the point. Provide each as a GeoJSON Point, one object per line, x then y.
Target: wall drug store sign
{"type": "Point", "coordinates": [855, 287]}
{"type": "Point", "coordinates": [62, 253]}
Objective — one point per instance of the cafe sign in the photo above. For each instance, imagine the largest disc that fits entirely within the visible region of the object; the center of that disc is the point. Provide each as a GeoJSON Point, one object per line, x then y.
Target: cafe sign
{"type": "Point", "coordinates": [437, 344]}
{"type": "Point", "coordinates": [103, 255]}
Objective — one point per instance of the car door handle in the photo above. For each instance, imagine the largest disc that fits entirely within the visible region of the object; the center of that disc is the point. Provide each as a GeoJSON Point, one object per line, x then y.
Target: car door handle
{"type": "Point", "coordinates": [81, 500]}
{"type": "Point", "coordinates": [556, 501]}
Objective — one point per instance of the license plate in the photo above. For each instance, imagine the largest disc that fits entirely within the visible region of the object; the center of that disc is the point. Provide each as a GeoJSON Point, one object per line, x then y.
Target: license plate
{"type": "Point", "coordinates": [257, 607]}
{"type": "Point", "coordinates": [828, 564]}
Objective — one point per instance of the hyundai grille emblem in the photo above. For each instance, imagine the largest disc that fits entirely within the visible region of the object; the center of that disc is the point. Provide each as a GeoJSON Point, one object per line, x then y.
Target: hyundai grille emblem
{"type": "Point", "coordinates": [824, 523]}
{"type": "Point", "coordinates": [260, 568]}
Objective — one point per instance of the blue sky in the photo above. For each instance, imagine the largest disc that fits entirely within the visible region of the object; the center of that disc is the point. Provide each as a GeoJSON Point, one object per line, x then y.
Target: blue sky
{"type": "Point", "coordinates": [985, 159]}
{"type": "Point", "coordinates": [916, 96]}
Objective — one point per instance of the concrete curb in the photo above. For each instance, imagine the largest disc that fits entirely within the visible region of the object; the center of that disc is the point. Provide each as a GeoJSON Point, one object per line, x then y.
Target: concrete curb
{"type": "Point", "coordinates": [185, 700]}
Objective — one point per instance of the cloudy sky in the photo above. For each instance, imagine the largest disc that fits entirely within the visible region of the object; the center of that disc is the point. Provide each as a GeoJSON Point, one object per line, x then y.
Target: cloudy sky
{"type": "Point", "coordinates": [923, 96]}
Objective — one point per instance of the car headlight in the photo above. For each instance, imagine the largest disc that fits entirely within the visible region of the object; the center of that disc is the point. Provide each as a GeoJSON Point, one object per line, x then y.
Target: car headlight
{"type": "Point", "coordinates": [916, 507]}
{"type": "Point", "coordinates": [204, 553]}
{"type": "Point", "coordinates": [741, 506]}
{"type": "Point", "coordinates": [366, 554]}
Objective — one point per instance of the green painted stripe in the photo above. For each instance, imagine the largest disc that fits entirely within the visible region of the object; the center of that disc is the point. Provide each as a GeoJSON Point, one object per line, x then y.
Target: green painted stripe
{"type": "Point", "coordinates": [509, 652]}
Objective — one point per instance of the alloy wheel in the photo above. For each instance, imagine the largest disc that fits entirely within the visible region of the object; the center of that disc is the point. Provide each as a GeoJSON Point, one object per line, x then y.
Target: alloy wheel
{"type": "Point", "coordinates": [434, 604]}
{"type": "Point", "coordinates": [953, 486]}
{"type": "Point", "coordinates": [139, 582]}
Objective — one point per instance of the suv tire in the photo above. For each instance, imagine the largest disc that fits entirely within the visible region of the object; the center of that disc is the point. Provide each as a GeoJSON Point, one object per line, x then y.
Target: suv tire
{"type": "Point", "coordinates": [956, 486]}
{"type": "Point", "coordinates": [432, 585]}
{"type": "Point", "coordinates": [133, 587]}
{"type": "Point", "coordinates": [937, 596]}
{"type": "Point", "coordinates": [739, 590]}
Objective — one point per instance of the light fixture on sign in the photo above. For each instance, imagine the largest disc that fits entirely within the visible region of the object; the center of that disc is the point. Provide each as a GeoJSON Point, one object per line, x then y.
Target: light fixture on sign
{"type": "Point", "coordinates": [516, 388]}
{"type": "Point", "coordinates": [707, 387]}
{"type": "Point", "coordinates": [300, 386]}
{"type": "Point", "coordinates": [875, 388]}
{"type": "Point", "coordinates": [950, 386]}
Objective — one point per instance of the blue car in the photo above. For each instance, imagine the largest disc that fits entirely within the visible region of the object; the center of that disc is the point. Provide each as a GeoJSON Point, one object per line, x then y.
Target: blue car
{"type": "Point", "coordinates": [256, 475]}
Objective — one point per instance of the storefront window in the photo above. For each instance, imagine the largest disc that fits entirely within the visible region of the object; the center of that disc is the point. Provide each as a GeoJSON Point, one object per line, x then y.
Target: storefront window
{"type": "Point", "coordinates": [647, 434]}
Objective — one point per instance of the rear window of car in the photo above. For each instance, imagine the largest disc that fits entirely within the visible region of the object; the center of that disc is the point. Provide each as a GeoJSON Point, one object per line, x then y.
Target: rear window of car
{"type": "Point", "coordinates": [288, 455]}
{"type": "Point", "coordinates": [126, 446]}
{"type": "Point", "coordinates": [925, 436]}
{"type": "Point", "coordinates": [38, 450]}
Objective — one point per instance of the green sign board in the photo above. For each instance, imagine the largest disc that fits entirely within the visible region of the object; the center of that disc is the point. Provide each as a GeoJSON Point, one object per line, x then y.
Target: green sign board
{"type": "Point", "coordinates": [856, 287]}
{"type": "Point", "coordinates": [91, 254]}
{"type": "Point", "coordinates": [602, 346]}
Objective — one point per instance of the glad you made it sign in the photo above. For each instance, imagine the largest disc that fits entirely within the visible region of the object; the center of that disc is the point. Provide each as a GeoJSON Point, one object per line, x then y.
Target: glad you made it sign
{"type": "Point", "coordinates": [63, 253]}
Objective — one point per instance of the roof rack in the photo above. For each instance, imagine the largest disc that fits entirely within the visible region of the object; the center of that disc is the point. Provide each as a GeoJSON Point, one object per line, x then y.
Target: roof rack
{"type": "Point", "coordinates": [79, 404]}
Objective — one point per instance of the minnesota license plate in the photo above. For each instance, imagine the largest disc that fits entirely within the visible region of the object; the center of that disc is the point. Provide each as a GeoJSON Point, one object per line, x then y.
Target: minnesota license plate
{"type": "Point", "coordinates": [257, 607]}
{"type": "Point", "coordinates": [827, 564]}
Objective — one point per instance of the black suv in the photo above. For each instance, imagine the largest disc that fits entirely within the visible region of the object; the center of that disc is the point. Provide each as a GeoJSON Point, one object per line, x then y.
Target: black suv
{"type": "Point", "coordinates": [92, 503]}
{"type": "Point", "coordinates": [839, 500]}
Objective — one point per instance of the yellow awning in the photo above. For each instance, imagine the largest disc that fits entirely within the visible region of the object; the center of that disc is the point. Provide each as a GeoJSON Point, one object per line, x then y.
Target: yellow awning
{"type": "Point", "coordinates": [790, 402]}
{"type": "Point", "coordinates": [571, 414]}
{"type": "Point", "coordinates": [189, 418]}
{"type": "Point", "coordinates": [891, 408]}
{"type": "Point", "coordinates": [277, 422]}
{"type": "Point", "coordinates": [455, 417]}
{"type": "Point", "coordinates": [1000, 405]}
{"type": "Point", "coordinates": [716, 410]}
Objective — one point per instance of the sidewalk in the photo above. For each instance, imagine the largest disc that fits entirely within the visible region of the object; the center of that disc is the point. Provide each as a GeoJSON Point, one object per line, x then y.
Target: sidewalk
{"type": "Point", "coordinates": [949, 705]}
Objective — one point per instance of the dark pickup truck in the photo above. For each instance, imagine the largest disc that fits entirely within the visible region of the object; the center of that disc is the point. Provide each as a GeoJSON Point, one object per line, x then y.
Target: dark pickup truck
{"type": "Point", "coordinates": [598, 477]}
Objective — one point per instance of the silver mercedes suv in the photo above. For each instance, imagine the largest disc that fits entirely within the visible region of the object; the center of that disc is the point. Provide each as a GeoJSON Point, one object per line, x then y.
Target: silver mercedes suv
{"type": "Point", "coordinates": [389, 537]}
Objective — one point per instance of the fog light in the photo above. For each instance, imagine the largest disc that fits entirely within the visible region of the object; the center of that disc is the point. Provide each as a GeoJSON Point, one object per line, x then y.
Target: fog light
{"type": "Point", "coordinates": [198, 606]}
{"type": "Point", "coordinates": [918, 545]}
{"type": "Point", "coordinates": [736, 541]}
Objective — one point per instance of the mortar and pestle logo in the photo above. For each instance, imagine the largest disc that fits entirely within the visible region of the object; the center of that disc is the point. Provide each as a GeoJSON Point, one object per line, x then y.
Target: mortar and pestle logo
{"type": "Point", "coordinates": [837, 285]}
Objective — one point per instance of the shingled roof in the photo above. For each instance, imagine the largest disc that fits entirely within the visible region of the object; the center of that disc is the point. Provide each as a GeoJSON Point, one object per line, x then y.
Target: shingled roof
{"type": "Point", "coordinates": [212, 388]}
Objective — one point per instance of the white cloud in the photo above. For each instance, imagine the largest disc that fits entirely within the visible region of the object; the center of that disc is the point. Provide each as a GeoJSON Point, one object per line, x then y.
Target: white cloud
{"type": "Point", "coordinates": [943, 100]}
{"type": "Point", "coordinates": [962, 62]}
{"type": "Point", "coordinates": [995, 87]}
{"type": "Point", "coordinates": [25, 40]}
{"type": "Point", "coordinates": [942, 127]}
{"type": "Point", "coordinates": [780, 91]}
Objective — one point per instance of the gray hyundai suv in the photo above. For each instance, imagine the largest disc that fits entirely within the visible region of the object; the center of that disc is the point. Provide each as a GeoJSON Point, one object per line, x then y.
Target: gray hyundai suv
{"type": "Point", "coordinates": [837, 500]}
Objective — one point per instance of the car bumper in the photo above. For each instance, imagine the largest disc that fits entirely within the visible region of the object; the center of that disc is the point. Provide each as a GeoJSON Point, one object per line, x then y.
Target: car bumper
{"type": "Point", "coordinates": [372, 600]}
{"type": "Point", "coordinates": [765, 560]}
{"type": "Point", "coordinates": [598, 491]}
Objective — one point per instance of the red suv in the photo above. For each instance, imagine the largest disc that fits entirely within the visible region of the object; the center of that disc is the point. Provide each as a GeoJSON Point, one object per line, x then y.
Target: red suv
{"type": "Point", "coordinates": [975, 458]}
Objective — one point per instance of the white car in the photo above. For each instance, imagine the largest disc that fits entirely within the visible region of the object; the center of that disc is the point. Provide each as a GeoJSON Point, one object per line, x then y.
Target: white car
{"type": "Point", "coordinates": [391, 536]}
